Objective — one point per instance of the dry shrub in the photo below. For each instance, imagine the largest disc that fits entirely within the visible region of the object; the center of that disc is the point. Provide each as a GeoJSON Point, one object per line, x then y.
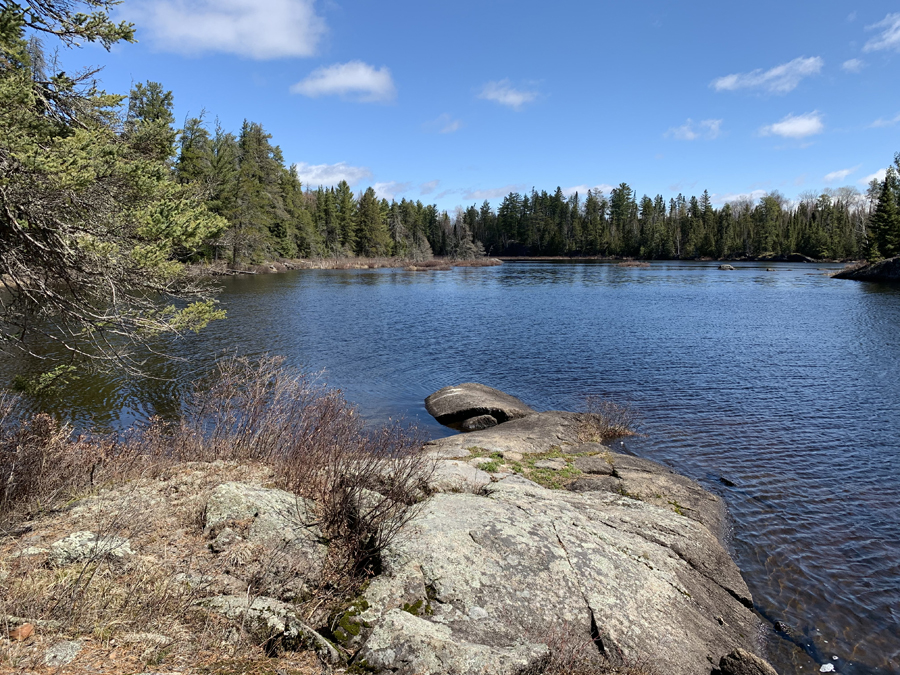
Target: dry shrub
{"type": "Point", "coordinates": [366, 482]}
{"type": "Point", "coordinates": [605, 419]}
{"type": "Point", "coordinates": [40, 461]}
{"type": "Point", "coordinates": [101, 591]}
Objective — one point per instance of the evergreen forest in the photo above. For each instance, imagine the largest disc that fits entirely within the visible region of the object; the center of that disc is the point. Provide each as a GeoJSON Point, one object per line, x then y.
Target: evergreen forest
{"type": "Point", "coordinates": [103, 200]}
{"type": "Point", "coordinates": [271, 214]}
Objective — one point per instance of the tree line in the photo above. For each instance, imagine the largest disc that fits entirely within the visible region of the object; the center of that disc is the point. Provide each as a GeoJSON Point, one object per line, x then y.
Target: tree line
{"type": "Point", "coordinates": [271, 214]}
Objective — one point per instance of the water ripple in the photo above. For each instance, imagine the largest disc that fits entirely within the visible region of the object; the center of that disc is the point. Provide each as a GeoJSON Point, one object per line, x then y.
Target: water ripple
{"type": "Point", "coordinates": [777, 390]}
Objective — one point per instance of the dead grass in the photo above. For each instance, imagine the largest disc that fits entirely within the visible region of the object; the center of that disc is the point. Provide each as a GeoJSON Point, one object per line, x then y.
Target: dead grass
{"type": "Point", "coordinates": [605, 420]}
{"type": "Point", "coordinates": [222, 268]}
{"type": "Point", "coordinates": [253, 421]}
{"type": "Point", "coordinates": [634, 263]}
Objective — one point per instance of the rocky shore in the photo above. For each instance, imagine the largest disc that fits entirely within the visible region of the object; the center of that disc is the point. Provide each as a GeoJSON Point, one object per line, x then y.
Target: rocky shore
{"type": "Point", "coordinates": [534, 540]}
{"type": "Point", "coordinates": [883, 270]}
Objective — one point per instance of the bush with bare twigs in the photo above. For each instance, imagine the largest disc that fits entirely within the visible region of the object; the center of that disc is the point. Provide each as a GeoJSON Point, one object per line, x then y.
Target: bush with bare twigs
{"type": "Point", "coordinates": [366, 482]}
{"type": "Point", "coordinates": [605, 419]}
{"type": "Point", "coordinates": [253, 420]}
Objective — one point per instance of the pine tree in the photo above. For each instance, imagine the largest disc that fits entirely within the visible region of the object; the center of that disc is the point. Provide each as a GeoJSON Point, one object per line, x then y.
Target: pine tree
{"type": "Point", "coordinates": [149, 125]}
{"type": "Point", "coordinates": [89, 218]}
{"type": "Point", "coordinates": [884, 224]}
{"type": "Point", "coordinates": [345, 205]}
{"type": "Point", "coordinates": [373, 236]}
{"type": "Point", "coordinates": [194, 163]}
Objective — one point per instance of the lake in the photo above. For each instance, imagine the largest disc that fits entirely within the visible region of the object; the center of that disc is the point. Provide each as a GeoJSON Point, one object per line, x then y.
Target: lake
{"type": "Point", "coordinates": [778, 390]}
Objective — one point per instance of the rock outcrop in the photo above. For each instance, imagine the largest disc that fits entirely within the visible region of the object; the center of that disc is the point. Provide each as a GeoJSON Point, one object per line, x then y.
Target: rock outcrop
{"type": "Point", "coordinates": [452, 406]}
{"type": "Point", "coordinates": [534, 434]}
{"type": "Point", "coordinates": [275, 530]}
{"type": "Point", "coordinates": [496, 572]}
{"type": "Point", "coordinates": [629, 559]}
{"type": "Point", "coordinates": [883, 270]}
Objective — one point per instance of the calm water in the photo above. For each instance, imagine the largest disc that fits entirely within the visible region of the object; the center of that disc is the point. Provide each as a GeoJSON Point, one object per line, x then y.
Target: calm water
{"type": "Point", "coordinates": [778, 390]}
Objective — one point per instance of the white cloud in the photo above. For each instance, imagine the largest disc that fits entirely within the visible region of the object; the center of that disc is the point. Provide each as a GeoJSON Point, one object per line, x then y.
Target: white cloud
{"type": "Point", "coordinates": [796, 126]}
{"type": "Point", "coordinates": [738, 196]}
{"type": "Point", "coordinates": [260, 30]}
{"type": "Point", "coordinates": [582, 190]}
{"type": "Point", "coordinates": [354, 79]}
{"type": "Point", "coordinates": [878, 175]}
{"type": "Point", "coordinates": [492, 193]}
{"type": "Point", "coordinates": [778, 80]}
{"type": "Point", "coordinates": [314, 175]}
{"type": "Point", "coordinates": [504, 93]}
{"type": "Point", "coordinates": [853, 65]}
{"type": "Point", "coordinates": [889, 38]}
{"type": "Point", "coordinates": [429, 187]}
{"type": "Point", "coordinates": [841, 174]}
{"type": "Point", "coordinates": [689, 131]}
{"type": "Point", "coordinates": [390, 189]}
{"type": "Point", "coordinates": [881, 122]}
{"type": "Point", "coordinates": [444, 124]}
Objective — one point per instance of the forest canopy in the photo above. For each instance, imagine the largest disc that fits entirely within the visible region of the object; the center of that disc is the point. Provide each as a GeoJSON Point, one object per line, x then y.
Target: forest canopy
{"type": "Point", "coordinates": [104, 201]}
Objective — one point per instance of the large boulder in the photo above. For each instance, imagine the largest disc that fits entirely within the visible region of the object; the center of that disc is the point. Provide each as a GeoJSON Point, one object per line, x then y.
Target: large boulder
{"type": "Point", "coordinates": [404, 644]}
{"type": "Point", "coordinates": [455, 476]}
{"type": "Point", "coordinates": [477, 582]}
{"type": "Point", "coordinates": [83, 546]}
{"type": "Point", "coordinates": [451, 406]}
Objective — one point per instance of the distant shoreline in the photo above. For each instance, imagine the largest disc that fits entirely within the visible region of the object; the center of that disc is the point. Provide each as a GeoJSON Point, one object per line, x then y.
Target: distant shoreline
{"type": "Point", "coordinates": [280, 266]}
{"type": "Point", "coordinates": [789, 258]}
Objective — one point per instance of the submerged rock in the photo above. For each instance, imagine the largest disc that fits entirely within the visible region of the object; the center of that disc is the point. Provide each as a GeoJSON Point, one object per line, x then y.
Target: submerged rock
{"type": "Point", "coordinates": [451, 406]}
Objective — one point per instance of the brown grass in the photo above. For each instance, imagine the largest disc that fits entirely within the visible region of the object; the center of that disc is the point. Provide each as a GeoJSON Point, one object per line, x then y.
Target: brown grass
{"type": "Point", "coordinates": [222, 268]}
{"type": "Point", "coordinates": [605, 420]}
{"type": "Point", "coordinates": [251, 421]}
{"type": "Point", "coordinates": [634, 263]}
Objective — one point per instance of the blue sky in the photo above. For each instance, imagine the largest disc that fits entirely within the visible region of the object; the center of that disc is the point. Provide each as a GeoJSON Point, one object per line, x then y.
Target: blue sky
{"type": "Point", "coordinates": [456, 102]}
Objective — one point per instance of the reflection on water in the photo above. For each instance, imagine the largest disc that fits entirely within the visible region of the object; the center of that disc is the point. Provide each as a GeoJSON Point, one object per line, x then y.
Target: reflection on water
{"type": "Point", "coordinates": [777, 390]}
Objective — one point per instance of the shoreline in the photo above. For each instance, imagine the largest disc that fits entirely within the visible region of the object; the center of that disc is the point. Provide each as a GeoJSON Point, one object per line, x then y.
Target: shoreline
{"type": "Point", "coordinates": [883, 271]}
{"type": "Point", "coordinates": [525, 538]}
{"type": "Point", "coordinates": [288, 265]}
